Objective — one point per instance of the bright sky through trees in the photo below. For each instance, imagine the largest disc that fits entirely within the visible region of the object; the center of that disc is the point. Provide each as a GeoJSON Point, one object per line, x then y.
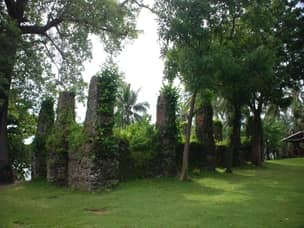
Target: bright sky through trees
{"type": "Point", "coordinates": [140, 61]}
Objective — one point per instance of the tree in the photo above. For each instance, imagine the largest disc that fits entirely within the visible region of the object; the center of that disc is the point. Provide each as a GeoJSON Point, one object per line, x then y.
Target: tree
{"type": "Point", "coordinates": [54, 33]}
{"type": "Point", "coordinates": [128, 110]}
{"type": "Point", "coordinates": [274, 130]}
{"type": "Point", "coordinates": [251, 65]}
{"type": "Point", "coordinates": [21, 126]}
{"type": "Point", "coordinates": [265, 85]}
{"type": "Point", "coordinates": [187, 28]}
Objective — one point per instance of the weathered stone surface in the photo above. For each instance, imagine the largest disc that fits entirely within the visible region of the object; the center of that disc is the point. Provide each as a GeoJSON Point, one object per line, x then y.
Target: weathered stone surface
{"type": "Point", "coordinates": [57, 166]}
{"type": "Point", "coordinates": [167, 138]}
{"type": "Point", "coordinates": [204, 133]}
{"type": "Point", "coordinates": [45, 125]}
{"type": "Point", "coordinates": [161, 111]}
{"type": "Point", "coordinates": [92, 167]}
{"type": "Point", "coordinates": [90, 123]}
{"type": "Point", "coordinates": [80, 171]}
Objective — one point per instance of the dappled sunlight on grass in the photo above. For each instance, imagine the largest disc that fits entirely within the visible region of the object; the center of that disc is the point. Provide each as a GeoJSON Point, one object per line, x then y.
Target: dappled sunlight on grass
{"type": "Point", "coordinates": [271, 196]}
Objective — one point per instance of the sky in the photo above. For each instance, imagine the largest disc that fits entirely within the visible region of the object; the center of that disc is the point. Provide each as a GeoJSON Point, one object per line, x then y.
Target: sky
{"type": "Point", "coordinates": [140, 62]}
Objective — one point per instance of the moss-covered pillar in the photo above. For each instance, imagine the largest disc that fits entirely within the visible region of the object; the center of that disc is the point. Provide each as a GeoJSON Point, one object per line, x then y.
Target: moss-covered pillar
{"type": "Point", "coordinates": [97, 161]}
{"type": "Point", "coordinates": [167, 129]}
{"type": "Point", "coordinates": [204, 132]}
{"type": "Point", "coordinates": [44, 129]}
{"type": "Point", "coordinates": [57, 166]}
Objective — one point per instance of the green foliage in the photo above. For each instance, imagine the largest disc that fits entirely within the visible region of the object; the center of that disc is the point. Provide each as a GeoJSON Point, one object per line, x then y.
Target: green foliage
{"type": "Point", "coordinates": [46, 122]}
{"type": "Point", "coordinates": [170, 131]}
{"type": "Point", "coordinates": [142, 141]}
{"type": "Point", "coordinates": [58, 139]}
{"type": "Point", "coordinates": [274, 131]}
{"type": "Point", "coordinates": [128, 110]}
{"type": "Point", "coordinates": [21, 126]}
{"type": "Point", "coordinates": [57, 34]}
{"type": "Point", "coordinates": [106, 144]}
{"type": "Point", "coordinates": [224, 142]}
{"type": "Point", "coordinates": [187, 43]}
{"type": "Point", "coordinates": [196, 172]}
{"type": "Point", "coordinates": [245, 140]}
{"type": "Point", "coordinates": [76, 138]}
{"type": "Point", "coordinates": [21, 154]}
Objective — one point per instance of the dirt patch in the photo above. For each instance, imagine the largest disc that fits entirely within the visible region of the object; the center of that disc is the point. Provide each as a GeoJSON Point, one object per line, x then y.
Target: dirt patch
{"type": "Point", "coordinates": [98, 211]}
{"type": "Point", "coordinates": [18, 223]}
{"type": "Point", "coordinates": [52, 197]}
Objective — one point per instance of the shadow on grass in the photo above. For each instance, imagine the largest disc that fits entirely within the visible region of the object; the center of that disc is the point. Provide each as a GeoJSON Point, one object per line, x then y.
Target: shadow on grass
{"type": "Point", "coordinates": [270, 196]}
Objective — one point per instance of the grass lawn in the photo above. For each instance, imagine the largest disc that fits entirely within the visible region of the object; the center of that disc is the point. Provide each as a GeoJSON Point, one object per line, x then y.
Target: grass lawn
{"type": "Point", "coordinates": [270, 196]}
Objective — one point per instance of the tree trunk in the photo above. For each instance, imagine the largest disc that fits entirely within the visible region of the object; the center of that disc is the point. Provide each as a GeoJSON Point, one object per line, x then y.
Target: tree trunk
{"type": "Point", "coordinates": [235, 137]}
{"type": "Point", "coordinates": [184, 172]}
{"type": "Point", "coordinates": [6, 174]}
{"type": "Point", "coordinates": [8, 49]}
{"type": "Point", "coordinates": [257, 140]}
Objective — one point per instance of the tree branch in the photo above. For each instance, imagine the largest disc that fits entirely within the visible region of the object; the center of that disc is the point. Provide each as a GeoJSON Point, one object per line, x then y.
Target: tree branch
{"type": "Point", "coordinates": [11, 8]}
{"type": "Point", "coordinates": [20, 7]}
{"type": "Point", "coordinates": [141, 5]}
{"type": "Point", "coordinates": [55, 45]}
{"type": "Point", "coordinates": [40, 30]}
{"type": "Point", "coordinates": [50, 55]}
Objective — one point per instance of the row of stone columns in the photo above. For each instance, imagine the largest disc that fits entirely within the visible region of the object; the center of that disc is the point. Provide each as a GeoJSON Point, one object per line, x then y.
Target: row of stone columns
{"type": "Point", "coordinates": [89, 167]}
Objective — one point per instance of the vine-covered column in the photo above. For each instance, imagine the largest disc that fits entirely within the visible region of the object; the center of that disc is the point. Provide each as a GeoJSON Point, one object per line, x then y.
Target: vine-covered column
{"type": "Point", "coordinates": [96, 164]}
{"type": "Point", "coordinates": [44, 129]}
{"type": "Point", "coordinates": [167, 129]}
{"type": "Point", "coordinates": [204, 130]}
{"type": "Point", "coordinates": [57, 165]}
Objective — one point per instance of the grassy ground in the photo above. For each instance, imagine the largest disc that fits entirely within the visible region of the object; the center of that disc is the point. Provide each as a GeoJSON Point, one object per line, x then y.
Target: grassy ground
{"type": "Point", "coordinates": [270, 196]}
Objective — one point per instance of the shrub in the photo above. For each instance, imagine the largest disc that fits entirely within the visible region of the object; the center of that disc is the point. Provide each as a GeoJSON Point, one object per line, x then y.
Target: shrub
{"type": "Point", "coordinates": [141, 138]}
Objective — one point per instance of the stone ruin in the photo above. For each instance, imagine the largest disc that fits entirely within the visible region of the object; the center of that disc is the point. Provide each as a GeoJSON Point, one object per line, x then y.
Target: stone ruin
{"type": "Point", "coordinates": [91, 167]}
{"type": "Point", "coordinates": [57, 165]}
{"type": "Point", "coordinates": [167, 140]}
{"type": "Point", "coordinates": [44, 128]}
{"type": "Point", "coordinates": [93, 163]}
{"type": "Point", "coordinates": [204, 133]}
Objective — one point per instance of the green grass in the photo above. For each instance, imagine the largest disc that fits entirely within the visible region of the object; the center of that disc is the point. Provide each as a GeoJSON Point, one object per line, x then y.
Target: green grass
{"type": "Point", "coordinates": [270, 196]}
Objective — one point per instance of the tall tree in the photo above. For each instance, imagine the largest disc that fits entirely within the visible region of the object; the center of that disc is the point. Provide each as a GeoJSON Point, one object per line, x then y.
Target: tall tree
{"type": "Point", "coordinates": [186, 28]}
{"type": "Point", "coordinates": [54, 33]}
{"type": "Point", "coordinates": [252, 65]}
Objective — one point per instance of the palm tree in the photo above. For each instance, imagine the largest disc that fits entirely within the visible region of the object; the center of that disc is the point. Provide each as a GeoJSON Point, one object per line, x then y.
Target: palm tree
{"type": "Point", "coordinates": [128, 111]}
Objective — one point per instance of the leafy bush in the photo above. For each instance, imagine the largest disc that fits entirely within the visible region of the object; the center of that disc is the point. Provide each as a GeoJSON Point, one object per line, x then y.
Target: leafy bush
{"type": "Point", "coordinates": [76, 137]}
{"type": "Point", "coordinates": [274, 131]}
{"type": "Point", "coordinates": [224, 142]}
{"type": "Point", "coordinates": [141, 137]}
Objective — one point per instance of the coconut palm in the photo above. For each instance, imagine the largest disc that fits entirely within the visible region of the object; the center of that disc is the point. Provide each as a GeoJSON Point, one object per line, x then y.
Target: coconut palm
{"type": "Point", "coordinates": [128, 111]}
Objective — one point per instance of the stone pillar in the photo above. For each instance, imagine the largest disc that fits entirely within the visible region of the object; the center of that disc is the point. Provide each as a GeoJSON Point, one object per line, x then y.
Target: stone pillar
{"type": "Point", "coordinates": [165, 122]}
{"type": "Point", "coordinates": [204, 133]}
{"type": "Point", "coordinates": [96, 165]}
{"type": "Point", "coordinates": [57, 166]}
{"type": "Point", "coordinates": [44, 128]}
